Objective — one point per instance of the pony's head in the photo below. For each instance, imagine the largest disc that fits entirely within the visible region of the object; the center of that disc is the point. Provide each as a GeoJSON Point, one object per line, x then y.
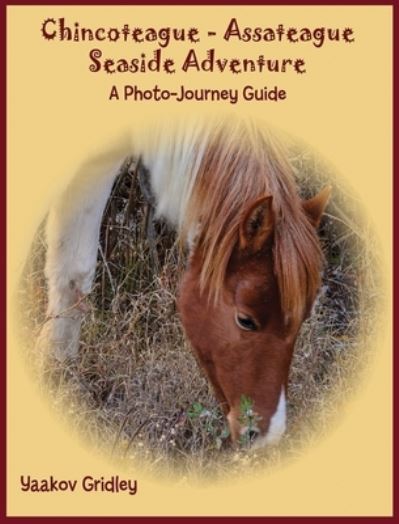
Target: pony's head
{"type": "Point", "coordinates": [244, 338]}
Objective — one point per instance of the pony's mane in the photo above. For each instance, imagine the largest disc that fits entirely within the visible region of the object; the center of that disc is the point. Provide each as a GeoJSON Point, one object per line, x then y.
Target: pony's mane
{"type": "Point", "coordinates": [236, 162]}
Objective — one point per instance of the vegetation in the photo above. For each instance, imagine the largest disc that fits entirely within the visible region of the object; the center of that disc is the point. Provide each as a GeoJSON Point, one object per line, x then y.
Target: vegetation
{"type": "Point", "coordinates": [136, 388]}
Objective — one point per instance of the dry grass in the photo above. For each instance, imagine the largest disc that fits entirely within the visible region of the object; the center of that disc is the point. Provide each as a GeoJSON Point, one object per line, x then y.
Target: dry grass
{"type": "Point", "coordinates": [135, 387]}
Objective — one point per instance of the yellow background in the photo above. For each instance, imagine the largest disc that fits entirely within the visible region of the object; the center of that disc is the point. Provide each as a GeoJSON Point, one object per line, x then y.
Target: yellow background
{"type": "Point", "coordinates": [58, 114]}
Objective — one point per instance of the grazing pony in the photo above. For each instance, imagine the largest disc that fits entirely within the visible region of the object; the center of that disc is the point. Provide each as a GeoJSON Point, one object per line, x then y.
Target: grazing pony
{"type": "Point", "coordinates": [254, 262]}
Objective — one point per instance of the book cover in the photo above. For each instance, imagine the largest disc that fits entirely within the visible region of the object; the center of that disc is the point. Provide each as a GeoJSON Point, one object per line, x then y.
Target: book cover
{"type": "Point", "coordinates": [199, 250]}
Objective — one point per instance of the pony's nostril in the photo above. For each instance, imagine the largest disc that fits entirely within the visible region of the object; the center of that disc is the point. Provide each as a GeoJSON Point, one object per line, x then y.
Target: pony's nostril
{"type": "Point", "coordinates": [252, 434]}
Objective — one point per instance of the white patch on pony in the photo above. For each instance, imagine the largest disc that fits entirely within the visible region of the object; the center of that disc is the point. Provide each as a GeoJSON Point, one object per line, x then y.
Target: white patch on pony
{"type": "Point", "coordinates": [173, 156]}
{"type": "Point", "coordinates": [192, 237]}
{"type": "Point", "coordinates": [72, 234]}
{"type": "Point", "coordinates": [277, 425]}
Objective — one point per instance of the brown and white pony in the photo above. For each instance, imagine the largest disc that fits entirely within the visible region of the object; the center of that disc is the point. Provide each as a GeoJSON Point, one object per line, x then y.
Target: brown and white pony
{"type": "Point", "coordinates": [254, 266]}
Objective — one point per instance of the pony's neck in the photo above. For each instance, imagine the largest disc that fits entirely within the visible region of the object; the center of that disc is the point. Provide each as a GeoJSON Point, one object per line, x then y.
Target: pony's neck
{"type": "Point", "coordinates": [173, 159]}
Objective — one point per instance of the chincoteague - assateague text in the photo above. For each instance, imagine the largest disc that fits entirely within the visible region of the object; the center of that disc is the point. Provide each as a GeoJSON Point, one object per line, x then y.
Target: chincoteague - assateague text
{"type": "Point", "coordinates": [151, 50]}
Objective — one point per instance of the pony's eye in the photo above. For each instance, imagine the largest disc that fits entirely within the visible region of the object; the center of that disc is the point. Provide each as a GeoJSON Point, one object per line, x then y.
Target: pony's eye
{"type": "Point", "coordinates": [245, 322]}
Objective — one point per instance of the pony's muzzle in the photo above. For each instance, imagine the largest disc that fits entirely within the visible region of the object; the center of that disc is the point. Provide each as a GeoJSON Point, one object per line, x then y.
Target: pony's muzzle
{"type": "Point", "coordinates": [239, 432]}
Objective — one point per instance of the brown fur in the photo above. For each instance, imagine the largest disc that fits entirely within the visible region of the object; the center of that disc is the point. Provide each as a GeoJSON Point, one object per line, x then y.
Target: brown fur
{"type": "Point", "coordinates": [240, 165]}
{"type": "Point", "coordinates": [258, 255]}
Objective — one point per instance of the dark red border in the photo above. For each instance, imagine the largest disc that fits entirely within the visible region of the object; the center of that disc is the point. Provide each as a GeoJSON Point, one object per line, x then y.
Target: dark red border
{"type": "Point", "coordinates": [218, 2]}
{"type": "Point", "coordinates": [3, 238]}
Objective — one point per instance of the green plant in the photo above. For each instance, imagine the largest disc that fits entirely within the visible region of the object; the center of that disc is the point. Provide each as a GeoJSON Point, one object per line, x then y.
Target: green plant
{"type": "Point", "coordinates": [248, 420]}
{"type": "Point", "coordinates": [210, 420]}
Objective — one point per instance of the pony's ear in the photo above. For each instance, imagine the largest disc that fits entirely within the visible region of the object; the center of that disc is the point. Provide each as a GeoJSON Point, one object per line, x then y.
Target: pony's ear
{"type": "Point", "coordinates": [314, 207]}
{"type": "Point", "coordinates": [257, 224]}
